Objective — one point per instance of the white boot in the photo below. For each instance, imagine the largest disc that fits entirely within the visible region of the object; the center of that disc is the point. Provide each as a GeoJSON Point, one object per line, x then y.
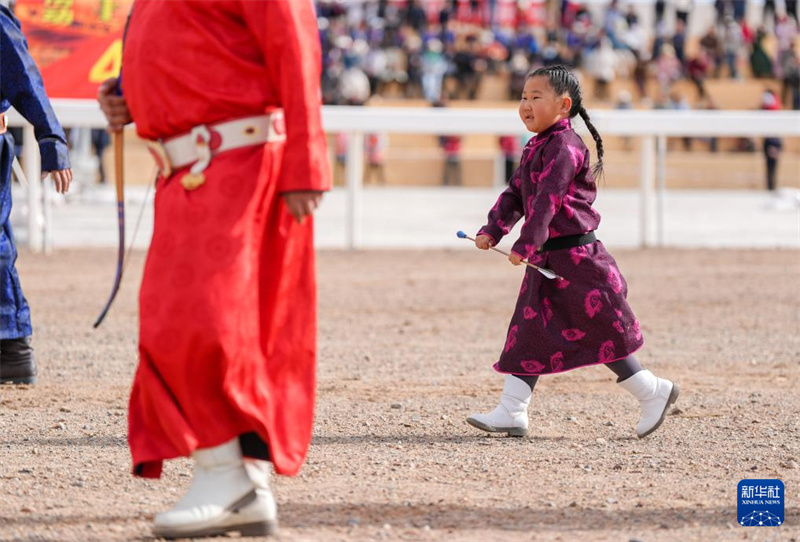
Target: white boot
{"type": "Point", "coordinates": [222, 498]}
{"type": "Point", "coordinates": [511, 415]}
{"type": "Point", "coordinates": [258, 471]}
{"type": "Point", "coordinates": [655, 394]}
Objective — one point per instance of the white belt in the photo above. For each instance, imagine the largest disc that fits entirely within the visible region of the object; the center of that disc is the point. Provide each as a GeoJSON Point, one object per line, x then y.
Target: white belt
{"type": "Point", "coordinates": [197, 147]}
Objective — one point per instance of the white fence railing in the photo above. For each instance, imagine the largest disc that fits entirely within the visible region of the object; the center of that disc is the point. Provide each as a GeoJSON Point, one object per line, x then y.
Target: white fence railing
{"type": "Point", "coordinates": [653, 127]}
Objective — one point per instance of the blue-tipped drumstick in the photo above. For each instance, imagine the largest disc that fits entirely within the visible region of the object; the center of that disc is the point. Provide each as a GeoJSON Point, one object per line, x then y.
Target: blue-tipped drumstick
{"type": "Point", "coordinates": [544, 271]}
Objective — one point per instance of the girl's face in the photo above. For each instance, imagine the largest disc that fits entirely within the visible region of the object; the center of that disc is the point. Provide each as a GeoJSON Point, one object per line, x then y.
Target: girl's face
{"type": "Point", "coordinates": [540, 107]}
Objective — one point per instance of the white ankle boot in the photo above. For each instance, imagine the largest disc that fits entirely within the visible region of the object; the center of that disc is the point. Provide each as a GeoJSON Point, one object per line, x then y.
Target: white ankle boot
{"type": "Point", "coordinates": [222, 498]}
{"type": "Point", "coordinates": [655, 394]}
{"type": "Point", "coordinates": [511, 415]}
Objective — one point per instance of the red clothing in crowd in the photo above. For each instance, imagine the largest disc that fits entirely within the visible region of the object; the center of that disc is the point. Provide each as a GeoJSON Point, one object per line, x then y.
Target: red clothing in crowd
{"type": "Point", "coordinates": [451, 145]}
{"type": "Point", "coordinates": [509, 144]}
{"type": "Point", "coordinates": [228, 298]}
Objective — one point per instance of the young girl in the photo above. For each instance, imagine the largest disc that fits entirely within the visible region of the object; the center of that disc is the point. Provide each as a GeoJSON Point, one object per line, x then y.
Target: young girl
{"type": "Point", "coordinates": [582, 319]}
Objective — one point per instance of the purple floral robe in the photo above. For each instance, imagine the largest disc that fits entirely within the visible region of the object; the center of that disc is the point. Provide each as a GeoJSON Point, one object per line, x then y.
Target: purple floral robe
{"type": "Point", "coordinates": [584, 319]}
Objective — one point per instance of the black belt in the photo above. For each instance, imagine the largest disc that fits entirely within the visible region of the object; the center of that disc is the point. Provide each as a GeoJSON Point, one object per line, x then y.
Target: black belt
{"type": "Point", "coordinates": [569, 241]}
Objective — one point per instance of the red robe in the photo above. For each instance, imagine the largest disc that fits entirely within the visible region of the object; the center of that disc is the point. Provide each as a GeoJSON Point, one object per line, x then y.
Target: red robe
{"type": "Point", "coordinates": [228, 300]}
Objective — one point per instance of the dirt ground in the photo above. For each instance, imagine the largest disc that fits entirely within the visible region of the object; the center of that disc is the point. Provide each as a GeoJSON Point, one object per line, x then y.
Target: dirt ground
{"type": "Point", "coordinates": [407, 340]}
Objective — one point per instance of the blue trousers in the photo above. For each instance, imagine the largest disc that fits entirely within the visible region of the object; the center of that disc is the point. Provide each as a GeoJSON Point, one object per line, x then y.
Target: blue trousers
{"type": "Point", "coordinates": [15, 315]}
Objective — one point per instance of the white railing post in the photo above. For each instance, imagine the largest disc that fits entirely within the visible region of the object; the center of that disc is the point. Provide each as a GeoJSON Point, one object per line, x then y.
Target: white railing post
{"type": "Point", "coordinates": [47, 215]}
{"type": "Point", "coordinates": [84, 164]}
{"type": "Point", "coordinates": [33, 172]}
{"type": "Point", "coordinates": [661, 192]}
{"type": "Point", "coordinates": [499, 170]}
{"type": "Point", "coordinates": [355, 189]}
{"type": "Point", "coordinates": [647, 185]}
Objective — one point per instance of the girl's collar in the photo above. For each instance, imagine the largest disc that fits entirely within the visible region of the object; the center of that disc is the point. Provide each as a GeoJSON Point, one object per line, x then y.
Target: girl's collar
{"type": "Point", "coordinates": [559, 126]}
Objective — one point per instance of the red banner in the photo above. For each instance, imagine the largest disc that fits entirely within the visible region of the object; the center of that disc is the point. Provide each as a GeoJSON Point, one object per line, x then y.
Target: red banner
{"type": "Point", "coordinates": [77, 44]}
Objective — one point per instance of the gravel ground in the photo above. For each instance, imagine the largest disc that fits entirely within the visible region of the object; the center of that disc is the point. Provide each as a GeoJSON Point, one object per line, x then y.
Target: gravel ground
{"type": "Point", "coordinates": [407, 339]}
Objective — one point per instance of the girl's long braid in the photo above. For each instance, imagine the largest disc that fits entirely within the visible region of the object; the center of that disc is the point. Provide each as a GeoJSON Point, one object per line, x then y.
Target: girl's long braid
{"type": "Point", "coordinates": [597, 169]}
{"type": "Point", "coordinates": [564, 82]}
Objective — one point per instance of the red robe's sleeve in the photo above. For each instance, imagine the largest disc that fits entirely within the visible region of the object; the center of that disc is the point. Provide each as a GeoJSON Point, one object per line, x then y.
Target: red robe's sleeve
{"type": "Point", "coordinates": [288, 35]}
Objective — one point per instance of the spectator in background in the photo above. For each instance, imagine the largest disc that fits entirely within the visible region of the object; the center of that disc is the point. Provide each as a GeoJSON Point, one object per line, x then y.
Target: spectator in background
{"type": "Point", "coordinates": [772, 145]}
{"type": "Point", "coordinates": [333, 65]}
{"type": "Point", "coordinates": [100, 140]}
{"type": "Point", "coordinates": [526, 41]}
{"type": "Point", "coordinates": [509, 146]}
{"type": "Point", "coordinates": [519, 66]}
{"type": "Point", "coordinates": [578, 35]}
{"type": "Point", "coordinates": [434, 66]}
{"type": "Point", "coordinates": [633, 36]}
{"type": "Point", "coordinates": [659, 40]}
{"type": "Point", "coordinates": [625, 103]}
{"type": "Point", "coordinates": [790, 91]}
{"type": "Point", "coordinates": [374, 67]}
{"type": "Point", "coordinates": [444, 13]}
{"type": "Point", "coordinates": [678, 102]}
{"type": "Point", "coordinates": [395, 64]}
{"type": "Point", "coordinates": [451, 145]}
{"type": "Point", "coordinates": [634, 39]}
{"type": "Point", "coordinates": [760, 62]}
{"type": "Point", "coordinates": [468, 69]}
{"type": "Point", "coordinates": [739, 10]}
{"type": "Point", "coordinates": [660, 7]}
{"type": "Point", "coordinates": [495, 51]}
{"type": "Point", "coordinates": [723, 9]}
{"type": "Point", "coordinates": [682, 10]}
{"type": "Point", "coordinates": [551, 53]}
{"type": "Point", "coordinates": [791, 9]}
{"type": "Point", "coordinates": [601, 64]}
{"type": "Point", "coordinates": [661, 102]}
{"type": "Point", "coordinates": [413, 50]}
{"type": "Point", "coordinates": [709, 104]}
{"type": "Point", "coordinates": [668, 68]}
{"type": "Point", "coordinates": [615, 24]}
{"type": "Point", "coordinates": [640, 70]}
{"type": "Point", "coordinates": [569, 12]}
{"type": "Point", "coordinates": [697, 70]}
{"type": "Point", "coordinates": [416, 17]}
{"type": "Point", "coordinates": [354, 83]}
{"type": "Point", "coordinates": [341, 142]}
{"type": "Point", "coordinates": [679, 43]}
{"type": "Point", "coordinates": [785, 35]}
{"type": "Point", "coordinates": [375, 146]}
{"type": "Point", "coordinates": [768, 13]}
{"type": "Point", "coordinates": [630, 16]}
{"type": "Point", "coordinates": [748, 36]}
{"type": "Point", "coordinates": [732, 43]}
{"type": "Point", "coordinates": [712, 45]}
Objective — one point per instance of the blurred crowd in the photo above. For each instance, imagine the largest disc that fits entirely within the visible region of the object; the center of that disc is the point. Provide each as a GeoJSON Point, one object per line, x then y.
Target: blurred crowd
{"type": "Point", "coordinates": [441, 49]}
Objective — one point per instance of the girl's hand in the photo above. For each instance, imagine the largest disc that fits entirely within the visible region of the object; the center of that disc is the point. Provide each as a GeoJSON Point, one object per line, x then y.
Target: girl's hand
{"type": "Point", "coordinates": [516, 259]}
{"type": "Point", "coordinates": [62, 179]}
{"type": "Point", "coordinates": [484, 242]}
